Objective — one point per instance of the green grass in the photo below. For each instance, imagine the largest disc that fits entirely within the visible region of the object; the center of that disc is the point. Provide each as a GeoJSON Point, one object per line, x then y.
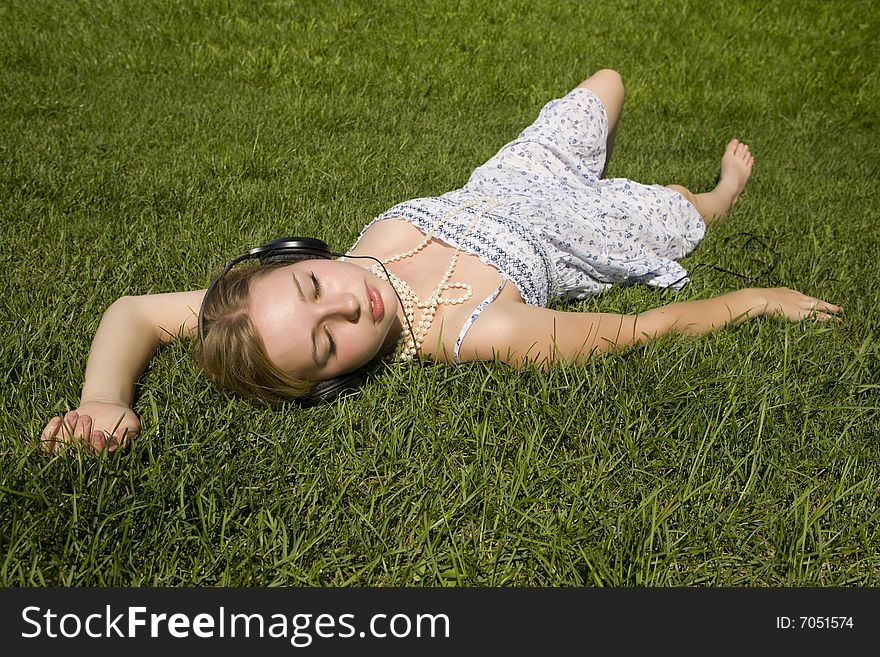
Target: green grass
{"type": "Point", "coordinates": [143, 143]}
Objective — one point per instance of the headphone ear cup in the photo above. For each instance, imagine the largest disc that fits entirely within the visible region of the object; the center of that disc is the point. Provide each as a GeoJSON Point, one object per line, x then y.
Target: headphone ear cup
{"type": "Point", "coordinates": [329, 390]}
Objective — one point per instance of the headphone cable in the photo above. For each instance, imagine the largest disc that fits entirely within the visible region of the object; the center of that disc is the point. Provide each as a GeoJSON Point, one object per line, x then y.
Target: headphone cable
{"type": "Point", "coordinates": [767, 272]}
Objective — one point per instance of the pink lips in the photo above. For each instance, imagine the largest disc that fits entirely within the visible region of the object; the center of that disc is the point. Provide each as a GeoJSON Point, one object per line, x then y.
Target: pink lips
{"type": "Point", "coordinates": [377, 306]}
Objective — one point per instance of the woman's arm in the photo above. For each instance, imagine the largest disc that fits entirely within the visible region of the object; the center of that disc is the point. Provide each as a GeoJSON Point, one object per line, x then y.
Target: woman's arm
{"type": "Point", "coordinates": [517, 334]}
{"type": "Point", "coordinates": [130, 331]}
{"type": "Point", "coordinates": [732, 309]}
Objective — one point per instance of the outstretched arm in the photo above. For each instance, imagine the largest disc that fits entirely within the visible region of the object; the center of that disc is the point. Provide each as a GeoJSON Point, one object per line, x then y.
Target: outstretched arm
{"type": "Point", "coordinates": [731, 309]}
{"type": "Point", "coordinates": [130, 331]}
{"type": "Point", "coordinates": [517, 334]}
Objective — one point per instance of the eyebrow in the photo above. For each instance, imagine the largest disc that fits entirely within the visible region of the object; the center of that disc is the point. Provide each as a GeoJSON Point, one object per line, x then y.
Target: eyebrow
{"type": "Point", "coordinates": [314, 328]}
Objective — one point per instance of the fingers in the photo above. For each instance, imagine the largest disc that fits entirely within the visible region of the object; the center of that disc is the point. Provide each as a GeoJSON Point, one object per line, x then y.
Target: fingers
{"type": "Point", "coordinates": [113, 443]}
{"type": "Point", "coordinates": [101, 440]}
{"type": "Point", "coordinates": [83, 430]}
{"type": "Point", "coordinates": [50, 433]}
{"type": "Point", "coordinates": [57, 431]}
{"type": "Point", "coordinates": [821, 310]}
{"type": "Point", "coordinates": [71, 421]}
{"type": "Point", "coordinates": [798, 306]}
{"type": "Point", "coordinates": [74, 427]}
{"type": "Point", "coordinates": [68, 426]}
{"type": "Point", "coordinates": [819, 306]}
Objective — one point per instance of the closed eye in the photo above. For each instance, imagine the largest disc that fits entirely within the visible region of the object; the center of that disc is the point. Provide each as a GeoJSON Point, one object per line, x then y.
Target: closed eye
{"type": "Point", "coordinates": [332, 344]}
{"type": "Point", "coordinates": [330, 341]}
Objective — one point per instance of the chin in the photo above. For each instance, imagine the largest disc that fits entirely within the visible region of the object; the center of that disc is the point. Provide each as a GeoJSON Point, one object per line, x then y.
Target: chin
{"type": "Point", "coordinates": [388, 344]}
{"type": "Point", "coordinates": [391, 309]}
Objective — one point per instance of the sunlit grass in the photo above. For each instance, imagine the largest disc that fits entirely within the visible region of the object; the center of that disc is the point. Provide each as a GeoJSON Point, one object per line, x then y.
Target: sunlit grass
{"type": "Point", "coordinates": [143, 143]}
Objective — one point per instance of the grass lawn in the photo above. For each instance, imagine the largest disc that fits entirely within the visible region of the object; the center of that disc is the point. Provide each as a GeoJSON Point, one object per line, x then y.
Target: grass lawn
{"type": "Point", "coordinates": [142, 143]}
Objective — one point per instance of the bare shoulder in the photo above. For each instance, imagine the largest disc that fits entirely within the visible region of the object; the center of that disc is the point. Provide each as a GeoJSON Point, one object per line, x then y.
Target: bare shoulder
{"type": "Point", "coordinates": [501, 325]}
{"type": "Point", "coordinates": [390, 235]}
{"type": "Point", "coordinates": [516, 333]}
{"type": "Point", "coordinates": [170, 313]}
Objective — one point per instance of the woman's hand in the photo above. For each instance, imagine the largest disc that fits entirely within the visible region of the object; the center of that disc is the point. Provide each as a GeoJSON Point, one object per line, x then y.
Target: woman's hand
{"type": "Point", "coordinates": [97, 425]}
{"type": "Point", "coordinates": [782, 301]}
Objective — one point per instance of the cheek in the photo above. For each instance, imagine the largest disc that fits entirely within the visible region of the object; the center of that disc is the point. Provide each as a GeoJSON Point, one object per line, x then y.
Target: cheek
{"type": "Point", "coordinates": [358, 345]}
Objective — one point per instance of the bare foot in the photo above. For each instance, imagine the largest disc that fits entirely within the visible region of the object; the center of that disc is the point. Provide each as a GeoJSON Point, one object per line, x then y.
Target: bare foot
{"type": "Point", "coordinates": [736, 168]}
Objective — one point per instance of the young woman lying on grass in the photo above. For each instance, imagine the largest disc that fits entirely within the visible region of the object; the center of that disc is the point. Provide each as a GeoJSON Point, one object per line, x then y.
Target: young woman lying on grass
{"type": "Point", "coordinates": [467, 276]}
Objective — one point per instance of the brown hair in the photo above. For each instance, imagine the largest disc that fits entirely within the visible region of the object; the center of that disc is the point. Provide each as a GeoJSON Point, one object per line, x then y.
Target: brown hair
{"type": "Point", "coordinates": [233, 355]}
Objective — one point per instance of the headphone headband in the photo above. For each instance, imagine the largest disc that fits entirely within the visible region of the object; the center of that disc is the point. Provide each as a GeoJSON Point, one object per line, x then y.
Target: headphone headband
{"type": "Point", "coordinates": [297, 248]}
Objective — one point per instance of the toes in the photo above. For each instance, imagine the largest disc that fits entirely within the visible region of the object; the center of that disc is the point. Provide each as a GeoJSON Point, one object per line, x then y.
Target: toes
{"type": "Point", "coordinates": [744, 154]}
{"type": "Point", "coordinates": [731, 146]}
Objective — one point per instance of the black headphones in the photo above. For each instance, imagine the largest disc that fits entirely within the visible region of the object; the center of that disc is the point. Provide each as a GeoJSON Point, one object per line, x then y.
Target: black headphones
{"type": "Point", "coordinates": [294, 249]}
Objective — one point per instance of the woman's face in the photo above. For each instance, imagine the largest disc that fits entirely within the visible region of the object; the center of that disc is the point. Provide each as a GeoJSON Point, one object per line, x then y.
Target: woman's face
{"type": "Point", "coordinates": [323, 318]}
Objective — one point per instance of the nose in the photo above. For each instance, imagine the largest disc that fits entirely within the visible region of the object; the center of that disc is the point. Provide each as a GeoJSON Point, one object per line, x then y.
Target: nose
{"type": "Point", "coordinates": [345, 306]}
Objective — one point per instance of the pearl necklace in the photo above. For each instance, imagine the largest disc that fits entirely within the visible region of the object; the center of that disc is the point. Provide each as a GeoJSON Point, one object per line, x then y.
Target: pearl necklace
{"type": "Point", "coordinates": [408, 345]}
